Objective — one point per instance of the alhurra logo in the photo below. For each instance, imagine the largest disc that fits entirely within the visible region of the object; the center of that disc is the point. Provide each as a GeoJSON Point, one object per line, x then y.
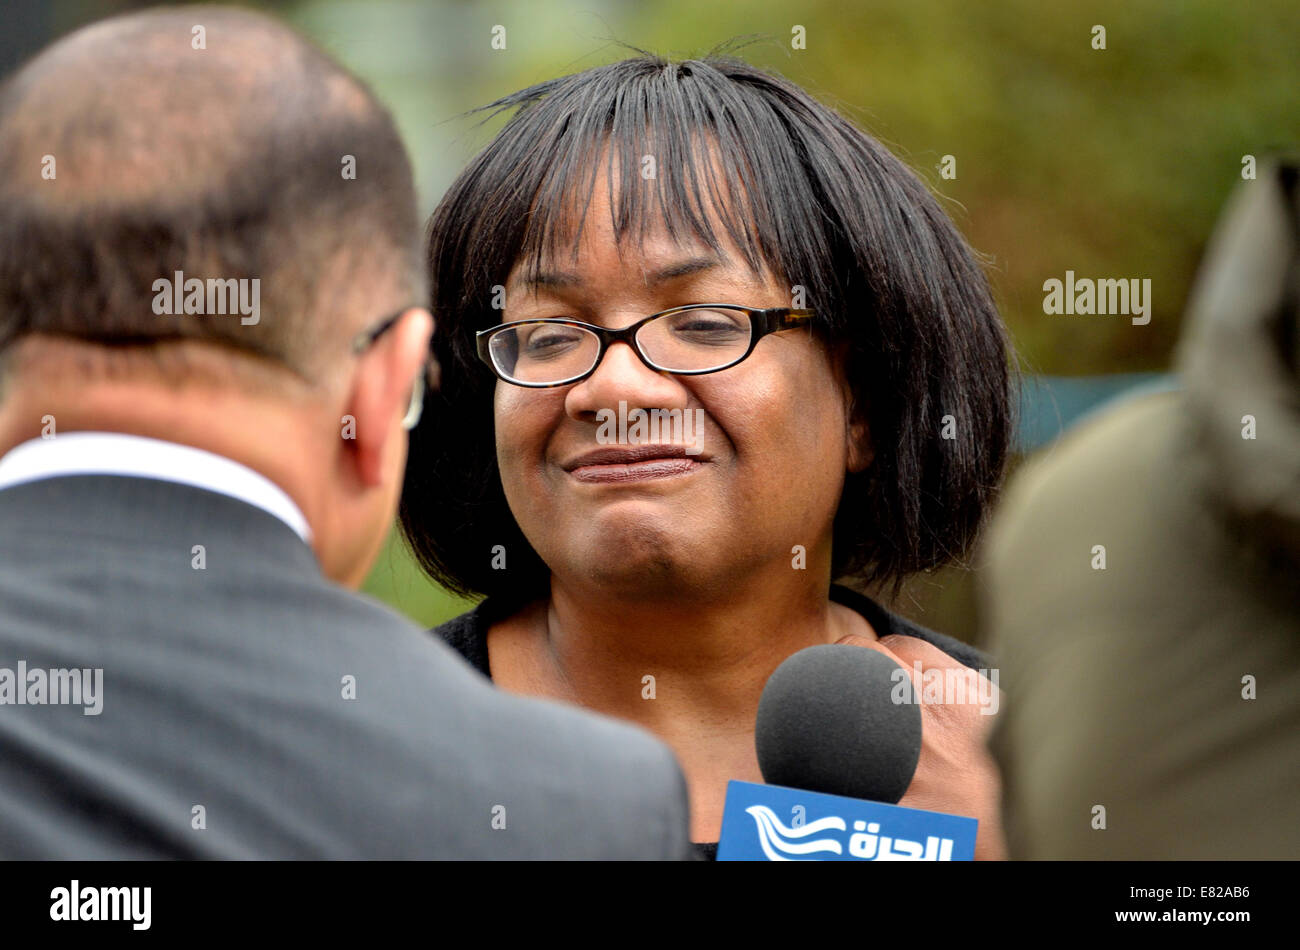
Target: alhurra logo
{"type": "Point", "coordinates": [182, 295]}
{"type": "Point", "coordinates": [780, 843]}
{"type": "Point", "coordinates": [650, 427]}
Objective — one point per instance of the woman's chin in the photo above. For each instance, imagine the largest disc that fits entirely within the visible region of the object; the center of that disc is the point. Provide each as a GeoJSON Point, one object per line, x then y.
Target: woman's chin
{"type": "Point", "coordinates": [634, 560]}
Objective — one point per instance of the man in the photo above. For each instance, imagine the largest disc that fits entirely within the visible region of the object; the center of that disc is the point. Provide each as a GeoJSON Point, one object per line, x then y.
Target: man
{"type": "Point", "coordinates": [1143, 586]}
{"type": "Point", "coordinates": [210, 329]}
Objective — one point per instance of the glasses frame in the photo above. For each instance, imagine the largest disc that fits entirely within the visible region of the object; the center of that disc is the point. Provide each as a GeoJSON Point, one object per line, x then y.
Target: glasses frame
{"type": "Point", "coordinates": [762, 321]}
{"type": "Point", "coordinates": [425, 381]}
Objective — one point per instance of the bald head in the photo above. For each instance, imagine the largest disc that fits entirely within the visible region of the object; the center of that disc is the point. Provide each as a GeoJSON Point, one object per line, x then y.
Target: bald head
{"type": "Point", "coordinates": [213, 143]}
{"type": "Point", "coordinates": [158, 173]}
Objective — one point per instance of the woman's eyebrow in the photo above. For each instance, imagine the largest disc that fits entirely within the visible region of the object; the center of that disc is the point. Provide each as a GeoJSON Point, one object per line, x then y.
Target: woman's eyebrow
{"type": "Point", "coordinates": [679, 268]}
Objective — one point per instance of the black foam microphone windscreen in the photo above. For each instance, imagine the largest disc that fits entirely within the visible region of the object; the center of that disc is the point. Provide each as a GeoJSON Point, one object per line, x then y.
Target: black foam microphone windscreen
{"type": "Point", "coordinates": [830, 720]}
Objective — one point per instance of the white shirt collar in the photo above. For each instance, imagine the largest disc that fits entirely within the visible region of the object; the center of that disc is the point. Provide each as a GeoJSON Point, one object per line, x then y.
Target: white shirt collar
{"type": "Point", "coordinates": [114, 453]}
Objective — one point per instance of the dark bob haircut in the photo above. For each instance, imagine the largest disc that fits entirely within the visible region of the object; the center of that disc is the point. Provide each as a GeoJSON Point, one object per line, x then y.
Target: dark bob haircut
{"type": "Point", "coordinates": [818, 201]}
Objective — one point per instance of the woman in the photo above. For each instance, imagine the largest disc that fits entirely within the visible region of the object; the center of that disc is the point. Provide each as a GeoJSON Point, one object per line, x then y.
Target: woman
{"type": "Point", "coordinates": [846, 395]}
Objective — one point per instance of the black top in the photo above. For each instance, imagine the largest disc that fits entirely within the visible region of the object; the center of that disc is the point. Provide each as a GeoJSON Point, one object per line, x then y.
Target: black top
{"type": "Point", "coordinates": [467, 635]}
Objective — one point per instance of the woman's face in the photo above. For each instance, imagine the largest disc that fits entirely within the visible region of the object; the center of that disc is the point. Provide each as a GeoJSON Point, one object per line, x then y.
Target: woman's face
{"type": "Point", "coordinates": [773, 446]}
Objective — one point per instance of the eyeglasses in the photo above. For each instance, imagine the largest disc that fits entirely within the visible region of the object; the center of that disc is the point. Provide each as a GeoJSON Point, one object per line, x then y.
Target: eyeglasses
{"type": "Point", "coordinates": [426, 380]}
{"type": "Point", "coordinates": [686, 341]}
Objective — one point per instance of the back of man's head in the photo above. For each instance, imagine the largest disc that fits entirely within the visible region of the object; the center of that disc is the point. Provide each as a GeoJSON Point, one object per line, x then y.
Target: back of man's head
{"type": "Point", "coordinates": [199, 213]}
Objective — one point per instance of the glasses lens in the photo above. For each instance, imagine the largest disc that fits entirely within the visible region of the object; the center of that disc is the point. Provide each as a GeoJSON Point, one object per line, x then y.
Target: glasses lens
{"type": "Point", "coordinates": [703, 338]}
{"type": "Point", "coordinates": [539, 353]}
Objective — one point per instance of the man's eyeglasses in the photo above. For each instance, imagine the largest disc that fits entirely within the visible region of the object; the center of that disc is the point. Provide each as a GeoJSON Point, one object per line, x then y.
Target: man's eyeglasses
{"type": "Point", "coordinates": [426, 380]}
{"type": "Point", "coordinates": [686, 341]}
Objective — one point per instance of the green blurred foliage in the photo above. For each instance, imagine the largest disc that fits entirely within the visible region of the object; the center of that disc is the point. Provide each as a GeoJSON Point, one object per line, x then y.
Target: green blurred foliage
{"type": "Point", "coordinates": [399, 582]}
{"type": "Point", "coordinates": [1110, 163]}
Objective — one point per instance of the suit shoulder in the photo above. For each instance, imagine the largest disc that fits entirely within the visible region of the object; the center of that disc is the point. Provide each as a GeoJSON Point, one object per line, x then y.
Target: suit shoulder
{"type": "Point", "coordinates": [619, 791]}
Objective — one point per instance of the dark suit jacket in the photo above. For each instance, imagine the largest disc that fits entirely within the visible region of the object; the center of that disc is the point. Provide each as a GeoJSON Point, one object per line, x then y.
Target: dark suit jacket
{"type": "Point", "coordinates": [225, 732]}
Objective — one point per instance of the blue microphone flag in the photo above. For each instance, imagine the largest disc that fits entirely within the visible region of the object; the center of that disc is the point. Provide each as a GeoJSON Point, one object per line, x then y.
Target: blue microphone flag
{"type": "Point", "coordinates": [774, 823]}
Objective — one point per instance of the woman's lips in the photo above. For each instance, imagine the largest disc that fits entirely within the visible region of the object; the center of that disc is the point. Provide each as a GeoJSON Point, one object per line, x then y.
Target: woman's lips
{"type": "Point", "coordinates": [635, 471]}
{"type": "Point", "coordinates": [634, 463]}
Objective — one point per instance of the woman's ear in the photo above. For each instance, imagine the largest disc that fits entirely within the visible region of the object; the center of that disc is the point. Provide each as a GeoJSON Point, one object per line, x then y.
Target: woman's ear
{"type": "Point", "coordinates": [860, 453]}
{"type": "Point", "coordinates": [857, 435]}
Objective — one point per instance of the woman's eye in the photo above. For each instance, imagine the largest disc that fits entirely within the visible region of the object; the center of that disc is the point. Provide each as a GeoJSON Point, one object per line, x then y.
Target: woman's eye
{"type": "Point", "coordinates": [546, 342]}
{"type": "Point", "coordinates": [709, 330]}
{"type": "Point", "coordinates": [712, 326]}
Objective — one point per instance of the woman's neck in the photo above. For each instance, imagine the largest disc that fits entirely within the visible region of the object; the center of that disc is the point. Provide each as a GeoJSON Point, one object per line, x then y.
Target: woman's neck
{"type": "Point", "coordinates": [695, 658]}
{"type": "Point", "coordinates": [689, 670]}
{"type": "Point", "coordinates": [690, 667]}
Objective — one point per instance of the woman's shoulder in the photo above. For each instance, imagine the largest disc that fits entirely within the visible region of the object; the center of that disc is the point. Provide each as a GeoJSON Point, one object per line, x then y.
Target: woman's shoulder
{"type": "Point", "coordinates": [886, 623]}
{"type": "Point", "coordinates": [468, 633]}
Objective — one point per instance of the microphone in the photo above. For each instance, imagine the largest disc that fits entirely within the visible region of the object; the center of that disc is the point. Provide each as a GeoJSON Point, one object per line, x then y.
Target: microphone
{"type": "Point", "coordinates": [826, 723]}
{"type": "Point", "coordinates": [838, 736]}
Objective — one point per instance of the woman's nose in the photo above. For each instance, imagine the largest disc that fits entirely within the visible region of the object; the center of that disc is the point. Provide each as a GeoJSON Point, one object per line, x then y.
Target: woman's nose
{"type": "Point", "coordinates": [621, 376]}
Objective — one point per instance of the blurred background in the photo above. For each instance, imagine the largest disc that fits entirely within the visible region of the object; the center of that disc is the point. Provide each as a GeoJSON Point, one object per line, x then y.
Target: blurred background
{"type": "Point", "coordinates": [1112, 163]}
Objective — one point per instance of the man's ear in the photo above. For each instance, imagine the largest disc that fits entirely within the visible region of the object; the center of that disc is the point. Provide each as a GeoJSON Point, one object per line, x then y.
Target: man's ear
{"type": "Point", "coordinates": [381, 391]}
